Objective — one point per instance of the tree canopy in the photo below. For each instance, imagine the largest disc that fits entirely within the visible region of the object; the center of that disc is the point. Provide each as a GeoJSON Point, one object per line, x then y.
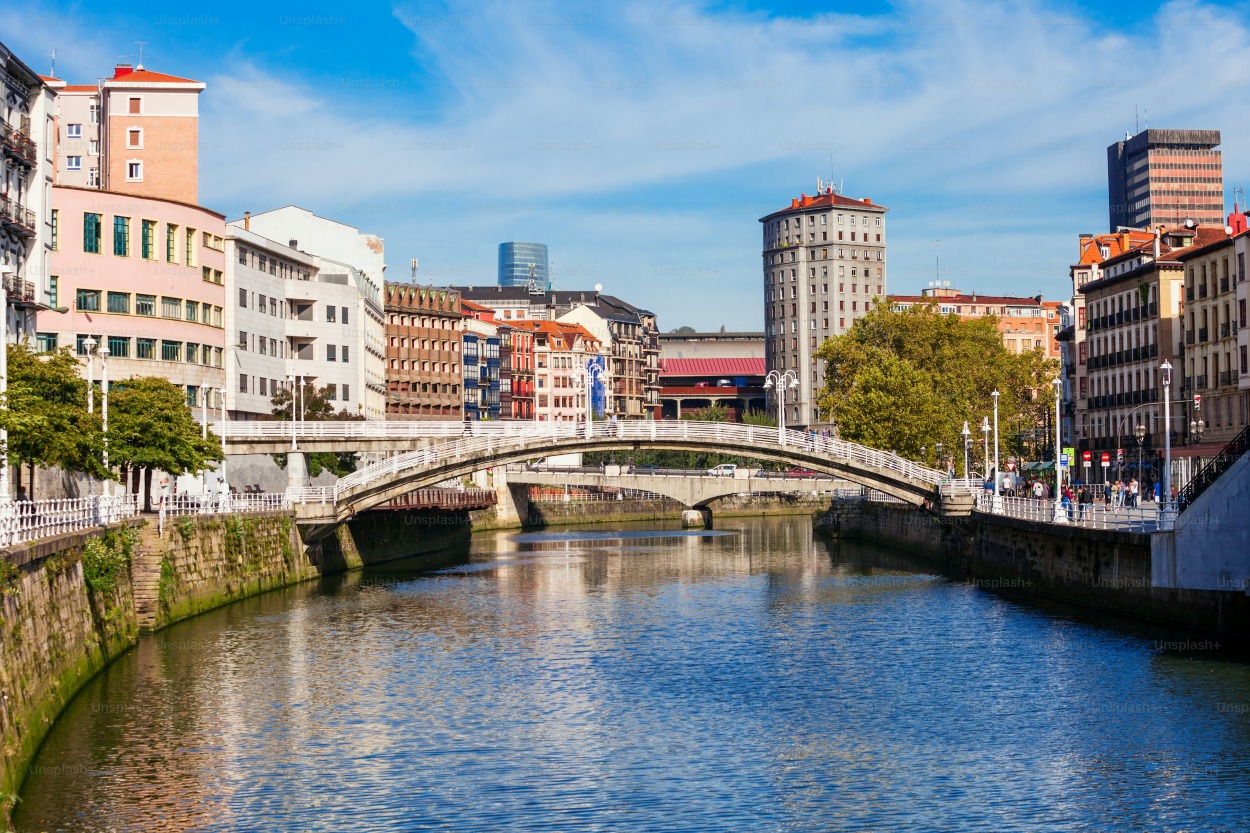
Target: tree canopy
{"type": "Point", "coordinates": [906, 379]}
{"type": "Point", "coordinates": [150, 427]}
{"type": "Point", "coordinates": [47, 415]}
{"type": "Point", "coordinates": [315, 404]}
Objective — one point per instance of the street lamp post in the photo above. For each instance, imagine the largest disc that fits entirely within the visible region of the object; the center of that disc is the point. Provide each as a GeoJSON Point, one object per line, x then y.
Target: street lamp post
{"type": "Point", "coordinates": [89, 344]}
{"type": "Point", "coordinates": [106, 486]}
{"type": "Point", "coordinates": [937, 448]}
{"type": "Point", "coordinates": [588, 375]}
{"type": "Point", "coordinates": [1166, 368]}
{"type": "Point", "coordinates": [967, 435]}
{"type": "Point", "coordinates": [998, 500]}
{"type": "Point", "coordinates": [781, 382]}
{"type": "Point", "coordinates": [1061, 516]}
{"type": "Point", "coordinates": [985, 430]}
{"type": "Point", "coordinates": [1140, 432]}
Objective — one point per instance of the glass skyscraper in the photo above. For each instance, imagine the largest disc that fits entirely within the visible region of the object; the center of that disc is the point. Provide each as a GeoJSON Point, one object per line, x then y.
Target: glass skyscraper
{"type": "Point", "coordinates": [515, 260]}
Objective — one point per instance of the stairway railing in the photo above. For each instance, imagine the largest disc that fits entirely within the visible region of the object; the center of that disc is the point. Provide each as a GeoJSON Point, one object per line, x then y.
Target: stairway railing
{"type": "Point", "coordinates": [1211, 472]}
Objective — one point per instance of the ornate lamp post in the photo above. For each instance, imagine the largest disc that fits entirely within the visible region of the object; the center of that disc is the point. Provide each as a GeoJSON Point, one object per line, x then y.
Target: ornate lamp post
{"type": "Point", "coordinates": [587, 375]}
{"type": "Point", "coordinates": [106, 486]}
{"type": "Point", "coordinates": [781, 382]}
{"type": "Point", "coordinates": [1140, 432]}
{"type": "Point", "coordinates": [1166, 369]}
{"type": "Point", "coordinates": [998, 500]}
{"type": "Point", "coordinates": [1060, 515]}
{"type": "Point", "coordinates": [985, 430]}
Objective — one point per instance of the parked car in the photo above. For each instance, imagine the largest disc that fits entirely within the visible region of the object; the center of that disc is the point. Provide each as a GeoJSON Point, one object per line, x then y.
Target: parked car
{"type": "Point", "coordinates": [724, 470]}
{"type": "Point", "coordinates": [800, 472]}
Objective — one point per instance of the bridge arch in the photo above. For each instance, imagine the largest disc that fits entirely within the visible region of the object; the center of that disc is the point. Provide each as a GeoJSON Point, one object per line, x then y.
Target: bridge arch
{"type": "Point", "coordinates": [389, 478]}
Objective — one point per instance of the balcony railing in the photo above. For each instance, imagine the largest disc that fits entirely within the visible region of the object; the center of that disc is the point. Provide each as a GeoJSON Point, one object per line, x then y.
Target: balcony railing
{"type": "Point", "coordinates": [1202, 290]}
{"type": "Point", "coordinates": [1200, 383]}
{"type": "Point", "coordinates": [16, 217]}
{"type": "Point", "coordinates": [1202, 335]}
{"type": "Point", "coordinates": [1189, 337]}
{"type": "Point", "coordinates": [1223, 284]}
{"type": "Point", "coordinates": [17, 289]}
{"type": "Point", "coordinates": [1225, 330]}
{"type": "Point", "coordinates": [1189, 293]}
{"type": "Point", "coordinates": [1211, 472]}
{"type": "Point", "coordinates": [1227, 378]}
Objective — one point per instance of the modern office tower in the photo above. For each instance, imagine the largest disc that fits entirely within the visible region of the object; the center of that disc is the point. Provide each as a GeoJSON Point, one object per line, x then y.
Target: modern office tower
{"type": "Point", "coordinates": [1165, 177]}
{"type": "Point", "coordinates": [824, 267]}
{"type": "Point", "coordinates": [521, 262]}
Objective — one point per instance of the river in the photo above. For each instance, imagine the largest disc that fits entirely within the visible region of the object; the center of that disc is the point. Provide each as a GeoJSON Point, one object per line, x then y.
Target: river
{"type": "Point", "coordinates": [750, 678]}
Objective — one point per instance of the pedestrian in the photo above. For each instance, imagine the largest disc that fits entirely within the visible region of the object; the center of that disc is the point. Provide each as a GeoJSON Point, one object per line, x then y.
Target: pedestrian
{"type": "Point", "coordinates": [1156, 492]}
{"type": "Point", "coordinates": [1106, 495]}
{"type": "Point", "coordinates": [1039, 490]}
{"type": "Point", "coordinates": [1115, 495]}
{"type": "Point", "coordinates": [1083, 500]}
{"type": "Point", "coordinates": [1134, 490]}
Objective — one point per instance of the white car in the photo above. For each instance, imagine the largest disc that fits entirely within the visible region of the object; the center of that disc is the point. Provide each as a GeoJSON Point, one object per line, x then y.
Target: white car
{"type": "Point", "coordinates": [724, 470]}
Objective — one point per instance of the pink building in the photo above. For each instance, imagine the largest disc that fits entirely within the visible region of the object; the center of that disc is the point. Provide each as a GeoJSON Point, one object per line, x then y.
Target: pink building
{"type": "Point", "coordinates": [144, 277]}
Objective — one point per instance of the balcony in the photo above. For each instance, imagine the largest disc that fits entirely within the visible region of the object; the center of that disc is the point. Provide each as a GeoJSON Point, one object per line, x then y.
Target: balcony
{"type": "Point", "coordinates": [1202, 335]}
{"type": "Point", "coordinates": [1225, 330]}
{"type": "Point", "coordinates": [1154, 350]}
{"type": "Point", "coordinates": [1189, 337]}
{"type": "Point", "coordinates": [1200, 382]}
{"type": "Point", "coordinates": [1202, 290]}
{"type": "Point", "coordinates": [1224, 284]}
{"type": "Point", "coordinates": [1227, 378]}
{"type": "Point", "coordinates": [16, 218]}
{"type": "Point", "coordinates": [1189, 293]}
{"type": "Point", "coordinates": [18, 290]}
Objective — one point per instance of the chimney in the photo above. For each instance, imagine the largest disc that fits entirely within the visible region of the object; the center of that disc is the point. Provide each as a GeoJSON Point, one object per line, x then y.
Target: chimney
{"type": "Point", "coordinates": [867, 201]}
{"type": "Point", "coordinates": [1237, 220]}
{"type": "Point", "coordinates": [293, 244]}
{"type": "Point", "coordinates": [122, 69]}
{"type": "Point", "coordinates": [1157, 245]}
{"type": "Point", "coordinates": [247, 221]}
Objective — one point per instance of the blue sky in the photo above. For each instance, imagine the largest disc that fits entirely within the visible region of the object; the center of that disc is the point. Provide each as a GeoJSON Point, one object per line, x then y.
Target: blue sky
{"type": "Point", "coordinates": [642, 141]}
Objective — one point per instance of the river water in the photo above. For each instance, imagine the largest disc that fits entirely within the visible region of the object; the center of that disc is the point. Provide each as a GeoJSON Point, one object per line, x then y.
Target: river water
{"type": "Point", "coordinates": [638, 679]}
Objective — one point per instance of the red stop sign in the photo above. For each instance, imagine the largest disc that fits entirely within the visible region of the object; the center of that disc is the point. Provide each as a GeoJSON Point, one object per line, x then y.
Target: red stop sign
{"type": "Point", "coordinates": [1087, 456]}
{"type": "Point", "coordinates": [1106, 457]}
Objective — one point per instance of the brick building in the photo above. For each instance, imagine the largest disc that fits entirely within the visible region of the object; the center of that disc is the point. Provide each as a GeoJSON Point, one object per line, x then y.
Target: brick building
{"type": "Point", "coordinates": [423, 360]}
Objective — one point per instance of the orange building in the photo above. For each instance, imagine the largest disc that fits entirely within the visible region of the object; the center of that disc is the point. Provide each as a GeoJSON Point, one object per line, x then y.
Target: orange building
{"type": "Point", "coordinates": [1025, 323]}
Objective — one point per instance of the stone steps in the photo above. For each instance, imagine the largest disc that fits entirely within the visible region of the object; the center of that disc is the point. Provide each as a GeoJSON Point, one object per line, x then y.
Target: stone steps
{"type": "Point", "coordinates": [145, 576]}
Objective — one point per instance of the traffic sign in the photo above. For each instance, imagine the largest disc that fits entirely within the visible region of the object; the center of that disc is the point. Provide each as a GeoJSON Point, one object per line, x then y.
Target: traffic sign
{"type": "Point", "coordinates": [1063, 459]}
{"type": "Point", "coordinates": [1197, 402]}
{"type": "Point", "coordinates": [1087, 456]}
{"type": "Point", "coordinates": [1106, 459]}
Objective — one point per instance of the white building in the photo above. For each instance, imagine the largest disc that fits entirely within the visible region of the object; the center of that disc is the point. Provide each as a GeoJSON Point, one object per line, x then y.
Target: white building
{"type": "Point", "coordinates": [340, 310]}
{"type": "Point", "coordinates": [27, 233]}
{"type": "Point", "coordinates": [824, 267]}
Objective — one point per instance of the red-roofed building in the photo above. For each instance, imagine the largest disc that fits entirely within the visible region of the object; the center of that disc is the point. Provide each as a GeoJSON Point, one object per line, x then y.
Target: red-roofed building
{"type": "Point", "coordinates": [561, 350]}
{"type": "Point", "coordinates": [824, 267]}
{"type": "Point", "coordinates": [698, 370]}
{"type": "Point", "coordinates": [135, 133]}
{"type": "Point", "coordinates": [1026, 323]}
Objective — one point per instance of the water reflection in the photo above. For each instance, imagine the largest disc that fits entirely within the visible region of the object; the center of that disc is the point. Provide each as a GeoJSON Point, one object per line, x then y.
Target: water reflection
{"type": "Point", "coordinates": [649, 679]}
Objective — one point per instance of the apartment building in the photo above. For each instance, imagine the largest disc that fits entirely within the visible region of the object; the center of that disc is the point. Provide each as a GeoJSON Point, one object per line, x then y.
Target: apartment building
{"type": "Point", "coordinates": [562, 353]}
{"type": "Point", "coordinates": [1133, 325]}
{"type": "Point", "coordinates": [355, 262]}
{"type": "Point", "coordinates": [291, 321]}
{"type": "Point", "coordinates": [824, 264]}
{"type": "Point", "coordinates": [27, 230]}
{"type": "Point", "coordinates": [136, 132]}
{"type": "Point", "coordinates": [144, 277]}
{"type": "Point", "coordinates": [1241, 253]}
{"type": "Point", "coordinates": [423, 373]}
{"type": "Point", "coordinates": [516, 372]}
{"type": "Point", "coordinates": [1213, 358]}
{"type": "Point", "coordinates": [480, 360]}
{"type": "Point", "coordinates": [629, 334]}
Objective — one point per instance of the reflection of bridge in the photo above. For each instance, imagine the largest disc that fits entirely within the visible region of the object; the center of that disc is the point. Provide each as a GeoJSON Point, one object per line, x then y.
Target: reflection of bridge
{"type": "Point", "coordinates": [694, 489]}
{"type": "Point", "coordinates": [487, 445]}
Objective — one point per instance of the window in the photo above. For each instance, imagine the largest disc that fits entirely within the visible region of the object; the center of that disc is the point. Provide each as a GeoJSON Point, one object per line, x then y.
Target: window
{"type": "Point", "coordinates": [88, 300]}
{"type": "Point", "coordinates": [329, 314]}
{"type": "Point", "coordinates": [332, 391]}
{"type": "Point", "coordinates": [73, 163]}
{"type": "Point", "coordinates": [193, 352]}
{"type": "Point", "coordinates": [134, 137]}
{"type": "Point", "coordinates": [171, 307]}
{"type": "Point", "coordinates": [260, 304]}
{"type": "Point", "coordinates": [136, 106]}
{"type": "Point", "coordinates": [264, 386]}
{"type": "Point", "coordinates": [93, 147]}
{"type": "Point", "coordinates": [56, 228]}
{"type": "Point", "coordinates": [47, 342]}
{"type": "Point", "coordinates": [134, 170]}
{"type": "Point", "coordinates": [91, 233]}
{"type": "Point", "coordinates": [147, 245]}
{"type": "Point", "coordinates": [344, 353]}
{"type": "Point", "coordinates": [347, 392]}
{"type": "Point", "coordinates": [119, 302]}
{"type": "Point", "coordinates": [80, 342]}
{"type": "Point", "coordinates": [171, 242]}
{"type": "Point", "coordinates": [121, 236]}
{"type": "Point", "coordinates": [95, 113]}
{"type": "Point", "coordinates": [331, 351]}
{"type": "Point", "coordinates": [171, 351]}
{"type": "Point", "coordinates": [344, 315]}
{"type": "Point", "coordinates": [145, 348]}
{"type": "Point", "coordinates": [193, 311]}
{"type": "Point", "coordinates": [119, 346]}
{"type": "Point", "coordinates": [190, 258]}
{"type": "Point", "coordinates": [193, 396]}
{"type": "Point", "coordinates": [145, 305]}
{"type": "Point", "coordinates": [242, 383]}
{"type": "Point", "coordinates": [54, 291]}
{"type": "Point", "coordinates": [93, 178]}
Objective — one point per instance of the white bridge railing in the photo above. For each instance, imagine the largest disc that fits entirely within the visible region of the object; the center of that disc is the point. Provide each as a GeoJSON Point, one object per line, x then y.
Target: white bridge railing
{"type": "Point", "coordinates": [488, 440]}
{"type": "Point", "coordinates": [1087, 515]}
{"type": "Point", "coordinates": [30, 520]}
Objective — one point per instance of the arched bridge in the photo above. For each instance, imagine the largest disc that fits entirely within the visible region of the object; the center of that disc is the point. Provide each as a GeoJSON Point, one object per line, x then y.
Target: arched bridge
{"type": "Point", "coordinates": [320, 509]}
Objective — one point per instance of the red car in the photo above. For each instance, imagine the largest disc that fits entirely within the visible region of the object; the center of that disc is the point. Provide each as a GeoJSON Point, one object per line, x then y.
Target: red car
{"type": "Point", "coordinates": [800, 472]}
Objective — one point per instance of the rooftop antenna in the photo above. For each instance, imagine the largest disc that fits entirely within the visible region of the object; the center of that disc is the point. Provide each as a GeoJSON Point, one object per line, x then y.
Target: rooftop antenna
{"type": "Point", "coordinates": [1136, 120]}
{"type": "Point", "coordinates": [1145, 116]}
{"type": "Point", "coordinates": [141, 43]}
{"type": "Point", "coordinates": [413, 264]}
{"type": "Point", "coordinates": [52, 71]}
{"type": "Point", "coordinates": [937, 259]}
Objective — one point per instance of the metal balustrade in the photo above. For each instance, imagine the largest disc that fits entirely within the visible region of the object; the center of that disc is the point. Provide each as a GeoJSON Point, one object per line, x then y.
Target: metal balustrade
{"type": "Point", "coordinates": [1095, 515]}
{"type": "Point", "coordinates": [491, 440]}
{"type": "Point", "coordinates": [25, 521]}
{"type": "Point", "coordinates": [219, 504]}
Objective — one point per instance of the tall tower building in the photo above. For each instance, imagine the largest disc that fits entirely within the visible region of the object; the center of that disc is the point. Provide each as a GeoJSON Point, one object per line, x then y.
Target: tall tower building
{"type": "Point", "coordinates": [518, 261]}
{"type": "Point", "coordinates": [1165, 177]}
{"type": "Point", "coordinates": [824, 267]}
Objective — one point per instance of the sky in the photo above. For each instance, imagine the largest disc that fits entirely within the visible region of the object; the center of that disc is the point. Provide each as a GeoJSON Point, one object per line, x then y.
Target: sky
{"type": "Point", "coordinates": [643, 141]}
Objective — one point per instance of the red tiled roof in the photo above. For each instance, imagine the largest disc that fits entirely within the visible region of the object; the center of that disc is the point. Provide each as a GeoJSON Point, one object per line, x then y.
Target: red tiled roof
{"type": "Point", "coordinates": [990, 300]}
{"type": "Point", "coordinates": [712, 367]}
{"type": "Point", "coordinates": [80, 88]}
{"type": "Point", "coordinates": [829, 200]}
{"type": "Point", "coordinates": [1117, 244]}
{"type": "Point", "coordinates": [146, 76]}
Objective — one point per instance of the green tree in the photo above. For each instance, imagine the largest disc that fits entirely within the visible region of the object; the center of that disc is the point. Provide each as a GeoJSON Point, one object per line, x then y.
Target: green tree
{"type": "Point", "coordinates": [151, 428]}
{"type": "Point", "coordinates": [757, 417]}
{"type": "Point", "coordinates": [316, 404]}
{"type": "Point", "coordinates": [47, 415]}
{"type": "Point", "coordinates": [907, 379]}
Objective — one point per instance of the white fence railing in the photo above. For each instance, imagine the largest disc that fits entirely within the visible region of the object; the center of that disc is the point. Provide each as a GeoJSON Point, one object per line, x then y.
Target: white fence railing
{"type": "Point", "coordinates": [1087, 515]}
{"type": "Point", "coordinates": [27, 520]}
{"type": "Point", "coordinates": [215, 504]}
{"type": "Point", "coordinates": [518, 438]}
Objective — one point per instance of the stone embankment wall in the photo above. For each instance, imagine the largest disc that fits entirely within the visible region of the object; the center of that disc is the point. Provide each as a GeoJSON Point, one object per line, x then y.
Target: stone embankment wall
{"type": "Point", "coordinates": [69, 604]}
{"type": "Point", "coordinates": [1105, 570]}
{"type": "Point", "coordinates": [556, 513]}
